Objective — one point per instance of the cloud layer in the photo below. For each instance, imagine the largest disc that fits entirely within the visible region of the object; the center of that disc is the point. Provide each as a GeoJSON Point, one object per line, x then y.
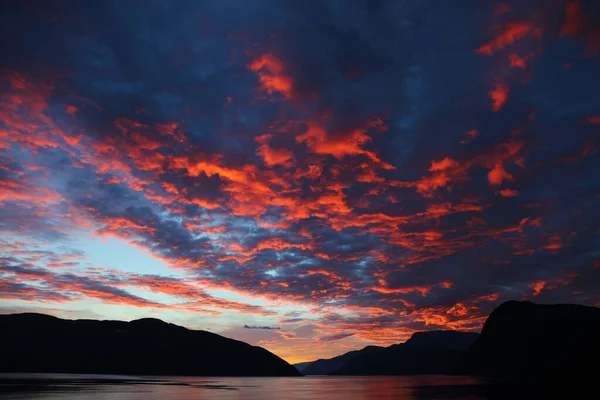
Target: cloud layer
{"type": "Point", "coordinates": [353, 173]}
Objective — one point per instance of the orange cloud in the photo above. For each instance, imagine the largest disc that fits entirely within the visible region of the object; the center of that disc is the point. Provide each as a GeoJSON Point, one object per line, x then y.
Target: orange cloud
{"type": "Point", "coordinates": [509, 193]}
{"type": "Point", "coordinates": [458, 310]}
{"type": "Point", "coordinates": [444, 172]}
{"type": "Point", "coordinates": [471, 135]}
{"type": "Point", "coordinates": [270, 74]}
{"type": "Point", "coordinates": [497, 175]}
{"type": "Point", "coordinates": [554, 243]}
{"type": "Point", "coordinates": [422, 290]}
{"type": "Point", "coordinates": [428, 184]}
{"type": "Point", "coordinates": [248, 189]}
{"type": "Point", "coordinates": [351, 143]}
{"type": "Point", "coordinates": [499, 95]}
{"type": "Point", "coordinates": [505, 151]}
{"type": "Point", "coordinates": [516, 61]}
{"type": "Point", "coordinates": [272, 156]}
{"type": "Point", "coordinates": [171, 129]}
{"type": "Point", "coordinates": [509, 34]}
{"type": "Point", "coordinates": [489, 297]}
{"type": "Point", "coordinates": [280, 244]}
{"type": "Point", "coordinates": [446, 163]}
{"type": "Point", "coordinates": [537, 287]}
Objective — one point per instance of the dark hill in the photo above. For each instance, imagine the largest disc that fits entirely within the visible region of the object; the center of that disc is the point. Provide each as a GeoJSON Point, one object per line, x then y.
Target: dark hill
{"type": "Point", "coordinates": [330, 365]}
{"type": "Point", "coordinates": [435, 352]}
{"type": "Point", "coordinates": [302, 366]}
{"type": "Point", "coordinates": [42, 343]}
{"type": "Point", "coordinates": [555, 347]}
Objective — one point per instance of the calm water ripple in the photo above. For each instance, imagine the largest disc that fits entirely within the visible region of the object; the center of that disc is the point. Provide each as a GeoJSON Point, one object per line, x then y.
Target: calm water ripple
{"type": "Point", "coordinates": [104, 387]}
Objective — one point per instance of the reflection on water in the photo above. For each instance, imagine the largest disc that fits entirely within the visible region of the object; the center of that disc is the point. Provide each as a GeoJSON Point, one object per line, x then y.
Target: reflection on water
{"type": "Point", "coordinates": [104, 387]}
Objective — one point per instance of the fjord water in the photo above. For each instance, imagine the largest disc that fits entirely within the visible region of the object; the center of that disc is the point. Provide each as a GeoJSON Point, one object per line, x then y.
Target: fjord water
{"type": "Point", "coordinates": [104, 387]}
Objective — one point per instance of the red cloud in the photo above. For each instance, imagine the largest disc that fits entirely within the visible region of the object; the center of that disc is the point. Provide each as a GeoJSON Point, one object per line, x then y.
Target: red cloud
{"type": "Point", "coordinates": [509, 193]}
{"type": "Point", "coordinates": [71, 109]}
{"type": "Point", "coordinates": [270, 74]}
{"type": "Point", "coordinates": [270, 155]}
{"type": "Point", "coordinates": [516, 61]}
{"type": "Point", "coordinates": [446, 163]}
{"type": "Point", "coordinates": [62, 265]}
{"type": "Point", "coordinates": [319, 141]}
{"type": "Point", "coordinates": [471, 135]}
{"type": "Point", "coordinates": [554, 243]}
{"type": "Point", "coordinates": [444, 172]}
{"type": "Point", "coordinates": [171, 129]}
{"type": "Point", "coordinates": [497, 175]}
{"type": "Point", "coordinates": [458, 310]}
{"type": "Point", "coordinates": [574, 21]}
{"type": "Point", "coordinates": [508, 35]}
{"type": "Point", "coordinates": [576, 25]}
{"type": "Point", "coordinates": [537, 287]}
{"type": "Point", "coordinates": [499, 95]}
{"type": "Point", "coordinates": [16, 191]}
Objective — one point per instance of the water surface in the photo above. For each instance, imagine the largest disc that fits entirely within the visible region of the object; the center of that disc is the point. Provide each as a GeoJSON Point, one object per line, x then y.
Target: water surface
{"type": "Point", "coordinates": [104, 387]}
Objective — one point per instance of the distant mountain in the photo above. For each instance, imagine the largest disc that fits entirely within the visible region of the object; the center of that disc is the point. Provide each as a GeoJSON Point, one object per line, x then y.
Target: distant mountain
{"type": "Point", "coordinates": [434, 352]}
{"type": "Point", "coordinates": [331, 365]}
{"type": "Point", "coordinates": [555, 347]}
{"type": "Point", "coordinates": [42, 343]}
{"type": "Point", "coordinates": [302, 366]}
{"type": "Point", "coordinates": [424, 352]}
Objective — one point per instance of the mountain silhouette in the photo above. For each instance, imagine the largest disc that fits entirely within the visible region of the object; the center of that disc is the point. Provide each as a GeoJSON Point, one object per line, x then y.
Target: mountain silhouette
{"type": "Point", "coordinates": [329, 366]}
{"type": "Point", "coordinates": [434, 352]}
{"type": "Point", "coordinates": [555, 348]}
{"type": "Point", "coordinates": [43, 343]}
{"type": "Point", "coordinates": [302, 366]}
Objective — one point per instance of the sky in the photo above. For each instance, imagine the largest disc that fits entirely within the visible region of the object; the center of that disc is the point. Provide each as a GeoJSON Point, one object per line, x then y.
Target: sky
{"type": "Point", "coordinates": [307, 176]}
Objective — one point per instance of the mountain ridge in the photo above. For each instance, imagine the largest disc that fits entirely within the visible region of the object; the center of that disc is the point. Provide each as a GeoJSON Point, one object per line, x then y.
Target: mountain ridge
{"type": "Point", "coordinates": [424, 342]}
{"type": "Point", "coordinates": [424, 353]}
{"type": "Point", "coordinates": [327, 366]}
{"type": "Point", "coordinates": [146, 346]}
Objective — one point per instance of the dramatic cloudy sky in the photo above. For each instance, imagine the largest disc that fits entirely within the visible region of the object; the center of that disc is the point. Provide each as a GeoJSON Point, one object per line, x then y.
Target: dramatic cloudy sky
{"type": "Point", "coordinates": [346, 171]}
